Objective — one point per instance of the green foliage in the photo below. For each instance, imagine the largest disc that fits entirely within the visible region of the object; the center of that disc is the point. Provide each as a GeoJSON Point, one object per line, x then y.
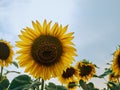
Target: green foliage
{"type": "Point", "coordinates": [23, 82]}
{"type": "Point", "coordinates": [72, 85]}
{"type": "Point", "coordinates": [107, 72]}
{"type": "Point", "coordinates": [113, 86]}
{"type": "Point", "coordinates": [15, 64]}
{"type": "Point", "coordinates": [4, 84]}
{"type": "Point", "coordinates": [85, 86]}
{"type": "Point", "coordinates": [52, 86]}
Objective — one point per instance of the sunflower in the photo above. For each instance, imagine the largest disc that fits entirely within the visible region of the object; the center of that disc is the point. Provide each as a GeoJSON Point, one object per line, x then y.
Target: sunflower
{"type": "Point", "coordinates": [69, 75]}
{"type": "Point", "coordinates": [86, 70]}
{"type": "Point", "coordinates": [45, 51]}
{"type": "Point", "coordinates": [116, 62]}
{"type": "Point", "coordinates": [72, 85]}
{"type": "Point", "coordinates": [113, 78]}
{"type": "Point", "coordinates": [6, 53]}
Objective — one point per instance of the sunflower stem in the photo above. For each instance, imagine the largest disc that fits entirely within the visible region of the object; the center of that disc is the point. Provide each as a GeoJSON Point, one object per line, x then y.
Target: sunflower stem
{"type": "Point", "coordinates": [118, 83]}
{"type": "Point", "coordinates": [42, 86]}
{"type": "Point", "coordinates": [38, 87]}
{"type": "Point", "coordinates": [1, 73]}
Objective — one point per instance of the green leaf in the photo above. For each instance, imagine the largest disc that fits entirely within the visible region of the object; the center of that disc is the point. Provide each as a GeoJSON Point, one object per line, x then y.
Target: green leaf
{"type": "Point", "coordinates": [83, 85]}
{"type": "Point", "coordinates": [107, 72]}
{"type": "Point", "coordinates": [4, 84]}
{"type": "Point", "coordinates": [11, 72]}
{"type": "Point", "coordinates": [59, 87]}
{"type": "Point", "coordinates": [72, 85]}
{"type": "Point", "coordinates": [15, 64]}
{"type": "Point", "coordinates": [113, 86]}
{"type": "Point", "coordinates": [22, 82]}
{"type": "Point", "coordinates": [95, 76]}
{"type": "Point", "coordinates": [52, 86]}
{"type": "Point", "coordinates": [90, 85]}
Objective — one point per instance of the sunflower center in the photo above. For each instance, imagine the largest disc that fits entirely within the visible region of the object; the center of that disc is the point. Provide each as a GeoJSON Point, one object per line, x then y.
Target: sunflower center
{"type": "Point", "coordinates": [46, 50]}
{"type": "Point", "coordinates": [4, 51]}
{"type": "Point", "coordinates": [85, 70]}
{"type": "Point", "coordinates": [68, 73]}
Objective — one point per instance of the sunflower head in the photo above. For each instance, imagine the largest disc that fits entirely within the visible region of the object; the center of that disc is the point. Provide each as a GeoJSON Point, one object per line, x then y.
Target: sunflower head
{"type": "Point", "coordinates": [68, 75]}
{"type": "Point", "coordinates": [113, 78]}
{"type": "Point", "coordinates": [6, 53]}
{"type": "Point", "coordinates": [45, 51]}
{"type": "Point", "coordinates": [116, 62]}
{"type": "Point", "coordinates": [86, 70]}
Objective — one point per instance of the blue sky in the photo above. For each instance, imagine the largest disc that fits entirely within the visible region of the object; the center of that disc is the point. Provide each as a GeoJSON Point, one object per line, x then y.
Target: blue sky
{"type": "Point", "coordinates": [96, 23]}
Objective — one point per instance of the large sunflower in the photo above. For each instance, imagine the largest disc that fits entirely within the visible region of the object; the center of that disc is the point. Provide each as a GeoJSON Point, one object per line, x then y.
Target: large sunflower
{"type": "Point", "coordinates": [6, 53]}
{"type": "Point", "coordinates": [86, 70]}
{"type": "Point", "coordinates": [45, 51]}
{"type": "Point", "coordinates": [69, 75]}
{"type": "Point", "coordinates": [116, 63]}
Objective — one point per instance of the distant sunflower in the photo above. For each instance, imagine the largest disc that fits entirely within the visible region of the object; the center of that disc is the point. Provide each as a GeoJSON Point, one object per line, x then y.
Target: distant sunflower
{"type": "Point", "coordinates": [86, 70]}
{"type": "Point", "coordinates": [113, 78]}
{"type": "Point", "coordinates": [6, 53]}
{"type": "Point", "coordinates": [72, 85]}
{"type": "Point", "coordinates": [116, 62]}
{"type": "Point", "coordinates": [45, 51]}
{"type": "Point", "coordinates": [69, 75]}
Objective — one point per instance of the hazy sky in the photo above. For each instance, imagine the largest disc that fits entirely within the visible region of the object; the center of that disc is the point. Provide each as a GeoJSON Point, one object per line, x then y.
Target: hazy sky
{"type": "Point", "coordinates": [96, 23]}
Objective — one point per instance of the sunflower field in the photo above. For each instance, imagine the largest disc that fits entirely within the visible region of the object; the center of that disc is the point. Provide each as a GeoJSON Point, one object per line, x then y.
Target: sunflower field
{"type": "Point", "coordinates": [47, 51]}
